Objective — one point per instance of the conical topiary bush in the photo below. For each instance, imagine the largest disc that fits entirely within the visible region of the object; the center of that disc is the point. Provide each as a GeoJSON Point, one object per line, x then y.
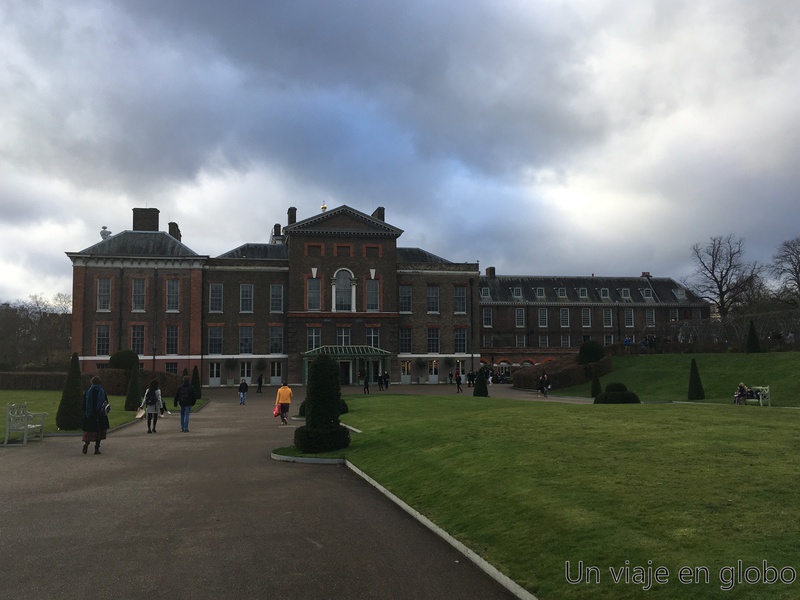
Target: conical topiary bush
{"type": "Point", "coordinates": [70, 409]}
{"type": "Point", "coordinates": [480, 389]}
{"type": "Point", "coordinates": [696, 391]}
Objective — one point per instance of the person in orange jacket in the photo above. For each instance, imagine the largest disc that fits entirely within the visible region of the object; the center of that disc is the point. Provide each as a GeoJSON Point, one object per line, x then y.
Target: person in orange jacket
{"type": "Point", "coordinates": [284, 400]}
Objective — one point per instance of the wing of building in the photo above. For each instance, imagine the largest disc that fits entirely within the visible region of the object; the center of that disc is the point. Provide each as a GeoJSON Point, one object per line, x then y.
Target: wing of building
{"type": "Point", "coordinates": [337, 282]}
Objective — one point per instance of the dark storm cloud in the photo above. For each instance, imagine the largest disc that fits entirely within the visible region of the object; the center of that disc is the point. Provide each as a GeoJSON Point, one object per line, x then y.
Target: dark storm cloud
{"type": "Point", "coordinates": [514, 133]}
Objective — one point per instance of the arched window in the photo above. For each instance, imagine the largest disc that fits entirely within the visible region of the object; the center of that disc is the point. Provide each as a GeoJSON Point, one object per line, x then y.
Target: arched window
{"type": "Point", "coordinates": [344, 291]}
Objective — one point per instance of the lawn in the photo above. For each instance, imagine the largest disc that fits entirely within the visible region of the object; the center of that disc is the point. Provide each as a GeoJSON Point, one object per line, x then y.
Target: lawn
{"type": "Point", "coordinates": [536, 488]}
{"type": "Point", "coordinates": [48, 401]}
{"type": "Point", "coordinates": [665, 377]}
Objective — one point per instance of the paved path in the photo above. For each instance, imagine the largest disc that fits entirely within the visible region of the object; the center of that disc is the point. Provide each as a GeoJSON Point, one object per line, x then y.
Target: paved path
{"type": "Point", "coordinates": [207, 515]}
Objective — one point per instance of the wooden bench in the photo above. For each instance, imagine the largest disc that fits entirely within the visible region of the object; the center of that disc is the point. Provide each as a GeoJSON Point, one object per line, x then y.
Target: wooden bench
{"type": "Point", "coordinates": [20, 420]}
{"type": "Point", "coordinates": [761, 395]}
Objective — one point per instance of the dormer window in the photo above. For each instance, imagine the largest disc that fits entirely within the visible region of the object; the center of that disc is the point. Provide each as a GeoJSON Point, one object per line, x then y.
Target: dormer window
{"type": "Point", "coordinates": [582, 293]}
{"type": "Point", "coordinates": [516, 292]}
{"type": "Point", "coordinates": [484, 292]}
{"type": "Point", "coordinates": [561, 292]}
{"type": "Point", "coordinates": [647, 293]}
{"type": "Point", "coordinates": [625, 293]}
{"type": "Point", "coordinates": [604, 293]}
{"type": "Point", "coordinates": [540, 292]}
{"type": "Point", "coordinates": [680, 293]}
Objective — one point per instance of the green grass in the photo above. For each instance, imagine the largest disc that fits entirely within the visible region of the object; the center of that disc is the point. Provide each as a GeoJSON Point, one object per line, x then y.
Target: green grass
{"type": "Point", "coordinates": [665, 377]}
{"type": "Point", "coordinates": [532, 485]}
{"type": "Point", "coordinates": [48, 401]}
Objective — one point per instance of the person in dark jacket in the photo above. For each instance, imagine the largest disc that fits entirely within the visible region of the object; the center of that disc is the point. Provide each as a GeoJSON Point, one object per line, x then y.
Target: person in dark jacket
{"type": "Point", "coordinates": [95, 415]}
{"type": "Point", "coordinates": [242, 392]}
{"type": "Point", "coordinates": [186, 398]}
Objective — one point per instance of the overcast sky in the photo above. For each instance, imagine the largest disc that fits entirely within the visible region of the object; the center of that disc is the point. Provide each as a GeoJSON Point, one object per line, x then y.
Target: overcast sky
{"type": "Point", "coordinates": [540, 137]}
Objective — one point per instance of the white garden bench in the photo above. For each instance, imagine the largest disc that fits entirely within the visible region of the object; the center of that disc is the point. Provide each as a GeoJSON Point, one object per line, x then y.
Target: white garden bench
{"type": "Point", "coordinates": [761, 393]}
{"type": "Point", "coordinates": [20, 420]}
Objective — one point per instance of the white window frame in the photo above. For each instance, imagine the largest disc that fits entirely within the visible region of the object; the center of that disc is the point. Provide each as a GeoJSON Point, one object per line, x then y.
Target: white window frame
{"type": "Point", "coordinates": [173, 300]}
{"type": "Point", "coordinates": [314, 294]}
{"type": "Point", "coordinates": [276, 298]}
{"type": "Point", "coordinates": [104, 294]}
{"type": "Point", "coordinates": [246, 297]}
{"type": "Point", "coordinates": [215, 297]}
{"type": "Point", "coordinates": [433, 299]}
{"type": "Point", "coordinates": [138, 294]}
{"type": "Point", "coordinates": [405, 295]}
{"type": "Point", "coordinates": [373, 290]}
{"type": "Point", "coordinates": [460, 299]}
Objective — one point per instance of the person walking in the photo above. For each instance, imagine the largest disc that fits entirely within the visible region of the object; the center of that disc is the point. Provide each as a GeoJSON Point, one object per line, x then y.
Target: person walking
{"type": "Point", "coordinates": [242, 392]}
{"type": "Point", "coordinates": [366, 383]}
{"type": "Point", "coordinates": [153, 405]}
{"type": "Point", "coordinates": [260, 383]}
{"type": "Point", "coordinates": [544, 384]}
{"type": "Point", "coordinates": [458, 382]}
{"type": "Point", "coordinates": [284, 400]}
{"type": "Point", "coordinates": [186, 397]}
{"type": "Point", "coordinates": [95, 415]}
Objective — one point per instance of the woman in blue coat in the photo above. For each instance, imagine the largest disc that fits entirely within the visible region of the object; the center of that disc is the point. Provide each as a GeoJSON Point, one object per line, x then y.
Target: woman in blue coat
{"type": "Point", "coordinates": [95, 415]}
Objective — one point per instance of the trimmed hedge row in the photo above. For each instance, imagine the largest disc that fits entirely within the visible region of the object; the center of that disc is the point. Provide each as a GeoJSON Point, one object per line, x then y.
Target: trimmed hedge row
{"type": "Point", "coordinates": [115, 381]}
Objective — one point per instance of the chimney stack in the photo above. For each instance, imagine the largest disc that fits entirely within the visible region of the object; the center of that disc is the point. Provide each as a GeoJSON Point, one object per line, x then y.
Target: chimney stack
{"type": "Point", "coordinates": [145, 219]}
{"type": "Point", "coordinates": [490, 272]}
{"type": "Point", "coordinates": [277, 237]}
{"type": "Point", "coordinates": [379, 214]}
{"type": "Point", "coordinates": [292, 215]}
{"type": "Point", "coordinates": [175, 231]}
{"type": "Point", "coordinates": [646, 274]}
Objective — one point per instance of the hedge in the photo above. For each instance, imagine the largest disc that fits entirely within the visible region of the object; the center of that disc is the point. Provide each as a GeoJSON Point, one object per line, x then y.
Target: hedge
{"type": "Point", "coordinates": [115, 381]}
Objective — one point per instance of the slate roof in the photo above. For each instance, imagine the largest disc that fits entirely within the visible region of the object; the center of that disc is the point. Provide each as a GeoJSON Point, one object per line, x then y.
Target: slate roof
{"type": "Point", "coordinates": [594, 290]}
{"type": "Point", "coordinates": [258, 251]}
{"type": "Point", "coordinates": [139, 243]}
{"type": "Point", "coordinates": [418, 255]}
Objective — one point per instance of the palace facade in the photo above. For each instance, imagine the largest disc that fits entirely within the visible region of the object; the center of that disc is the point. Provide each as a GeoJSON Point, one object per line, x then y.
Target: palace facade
{"type": "Point", "coordinates": [337, 282]}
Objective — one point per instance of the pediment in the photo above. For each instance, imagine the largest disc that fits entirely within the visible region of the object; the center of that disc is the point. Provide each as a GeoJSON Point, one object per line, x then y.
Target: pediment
{"type": "Point", "coordinates": [343, 221]}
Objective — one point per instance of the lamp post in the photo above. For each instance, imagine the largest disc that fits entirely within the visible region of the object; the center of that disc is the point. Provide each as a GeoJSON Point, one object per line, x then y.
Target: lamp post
{"type": "Point", "coordinates": [471, 325]}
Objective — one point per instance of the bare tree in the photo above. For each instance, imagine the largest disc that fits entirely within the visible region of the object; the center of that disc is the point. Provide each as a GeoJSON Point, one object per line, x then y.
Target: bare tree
{"type": "Point", "coordinates": [722, 276]}
{"type": "Point", "coordinates": [35, 331]}
{"type": "Point", "coordinates": [785, 267]}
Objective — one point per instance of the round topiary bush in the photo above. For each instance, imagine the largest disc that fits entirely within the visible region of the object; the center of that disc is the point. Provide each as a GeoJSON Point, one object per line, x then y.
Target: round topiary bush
{"type": "Point", "coordinates": [590, 352]}
{"type": "Point", "coordinates": [617, 393]}
{"type": "Point", "coordinates": [124, 360]}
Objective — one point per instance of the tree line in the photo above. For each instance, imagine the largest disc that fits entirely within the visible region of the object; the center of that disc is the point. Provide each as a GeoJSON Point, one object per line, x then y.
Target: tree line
{"type": "Point", "coordinates": [36, 332]}
{"type": "Point", "coordinates": [735, 286]}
